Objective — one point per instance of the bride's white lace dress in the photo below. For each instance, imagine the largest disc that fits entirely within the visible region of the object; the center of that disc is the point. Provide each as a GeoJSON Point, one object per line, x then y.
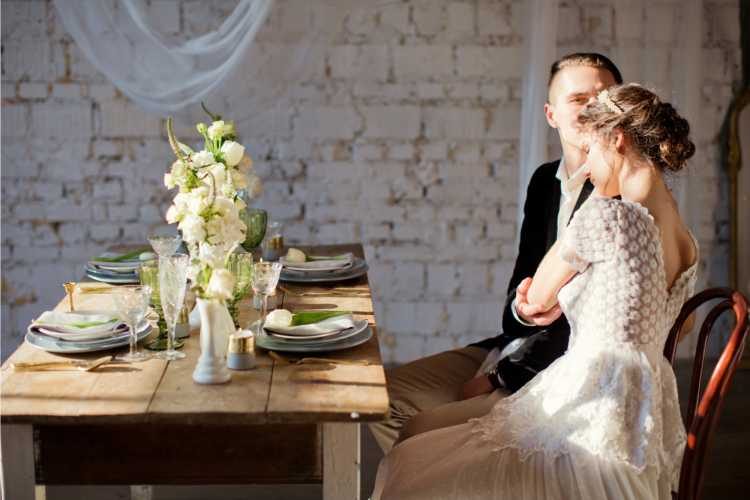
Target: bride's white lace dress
{"type": "Point", "coordinates": [601, 422]}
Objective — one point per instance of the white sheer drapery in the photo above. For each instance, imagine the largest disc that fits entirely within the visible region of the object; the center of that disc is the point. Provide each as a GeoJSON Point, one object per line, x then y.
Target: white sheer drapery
{"type": "Point", "coordinates": [243, 67]}
{"type": "Point", "coordinates": [154, 72]}
{"type": "Point", "coordinates": [540, 47]}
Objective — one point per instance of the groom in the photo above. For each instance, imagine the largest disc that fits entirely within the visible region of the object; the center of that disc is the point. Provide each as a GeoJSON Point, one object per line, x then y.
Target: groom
{"type": "Point", "coordinates": [450, 387]}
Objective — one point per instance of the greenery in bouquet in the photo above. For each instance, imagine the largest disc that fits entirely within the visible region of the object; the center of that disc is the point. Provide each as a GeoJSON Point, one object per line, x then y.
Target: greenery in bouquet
{"type": "Point", "coordinates": [207, 205]}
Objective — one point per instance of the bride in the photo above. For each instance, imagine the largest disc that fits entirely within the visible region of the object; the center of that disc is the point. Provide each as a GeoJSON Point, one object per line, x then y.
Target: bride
{"type": "Point", "coordinates": [603, 421]}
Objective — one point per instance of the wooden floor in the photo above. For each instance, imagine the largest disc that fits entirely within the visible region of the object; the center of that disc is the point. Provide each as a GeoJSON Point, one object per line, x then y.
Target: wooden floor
{"type": "Point", "coordinates": [727, 477]}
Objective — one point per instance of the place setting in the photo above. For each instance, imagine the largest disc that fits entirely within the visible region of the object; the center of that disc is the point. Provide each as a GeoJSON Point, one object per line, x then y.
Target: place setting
{"type": "Point", "coordinates": [118, 268]}
{"type": "Point", "coordinates": [299, 267]}
{"type": "Point", "coordinates": [83, 331]}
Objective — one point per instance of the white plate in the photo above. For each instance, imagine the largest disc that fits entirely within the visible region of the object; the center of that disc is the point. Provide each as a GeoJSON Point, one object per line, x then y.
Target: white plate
{"type": "Point", "coordinates": [358, 268]}
{"type": "Point", "coordinates": [317, 265]}
{"type": "Point", "coordinates": [79, 337]}
{"type": "Point", "coordinates": [111, 279]}
{"type": "Point", "coordinates": [268, 343]}
{"type": "Point", "coordinates": [49, 344]}
{"type": "Point", "coordinates": [322, 338]}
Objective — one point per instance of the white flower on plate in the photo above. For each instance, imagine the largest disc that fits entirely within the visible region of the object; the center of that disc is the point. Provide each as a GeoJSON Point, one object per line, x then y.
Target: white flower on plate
{"type": "Point", "coordinates": [221, 284]}
{"type": "Point", "coordinates": [233, 153]}
{"type": "Point", "coordinates": [203, 158]}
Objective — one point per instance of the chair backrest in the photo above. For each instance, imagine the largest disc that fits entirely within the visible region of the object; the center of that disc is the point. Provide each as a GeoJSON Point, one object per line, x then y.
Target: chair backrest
{"type": "Point", "coordinates": [703, 409]}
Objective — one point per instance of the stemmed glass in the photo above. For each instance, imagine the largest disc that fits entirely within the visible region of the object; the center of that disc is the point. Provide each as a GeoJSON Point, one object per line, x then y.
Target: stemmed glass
{"type": "Point", "coordinates": [173, 272]}
{"type": "Point", "coordinates": [265, 278]}
{"type": "Point", "coordinates": [132, 305]}
{"type": "Point", "coordinates": [164, 243]}
{"type": "Point", "coordinates": [241, 267]}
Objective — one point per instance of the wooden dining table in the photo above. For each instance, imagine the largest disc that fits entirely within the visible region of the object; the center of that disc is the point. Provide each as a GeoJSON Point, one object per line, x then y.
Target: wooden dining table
{"type": "Point", "coordinates": [149, 423]}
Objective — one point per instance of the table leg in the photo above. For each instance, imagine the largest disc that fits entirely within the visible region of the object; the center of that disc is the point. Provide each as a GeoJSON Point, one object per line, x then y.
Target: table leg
{"type": "Point", "coordinates": [17, 459]}
{"type": "Point", "coordinates": [341, 461]}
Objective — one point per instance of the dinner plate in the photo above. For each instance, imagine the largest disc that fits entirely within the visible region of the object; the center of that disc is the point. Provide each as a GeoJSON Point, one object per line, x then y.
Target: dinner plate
{"type": "Point", "coordinates": [79, 337]}
{"type": "Point", "coordinates": [358, 268]}
{"type": "Point", "coordinates": [59, 346]}
{"type": "Point", "coordinates": [316, 266]}
{"type": "Point", "coordinates": [115, 280]}
{"type": "Point", "coordinates": [271, 344]}
{"type": "Point", "coordinates": [359, 325]}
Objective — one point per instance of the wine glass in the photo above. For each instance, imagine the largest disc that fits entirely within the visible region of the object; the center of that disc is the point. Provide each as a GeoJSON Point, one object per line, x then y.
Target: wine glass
{"type": "Point", "coordinates": [132, 305]}
{"type": "Point", "coordinates": [173, 271]}
{"type": "Point", "coordinates": [265, 278]}
{"type": "Point", "coordinates": [241, 267]}
{"type": "Point", "coordinates": [164, 242]}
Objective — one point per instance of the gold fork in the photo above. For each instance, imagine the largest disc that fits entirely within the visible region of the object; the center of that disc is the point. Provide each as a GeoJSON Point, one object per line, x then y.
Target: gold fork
{"type": "Point", "coordinates": [307, 361]}
{"type": "Point", "coordinates": [66, 365]}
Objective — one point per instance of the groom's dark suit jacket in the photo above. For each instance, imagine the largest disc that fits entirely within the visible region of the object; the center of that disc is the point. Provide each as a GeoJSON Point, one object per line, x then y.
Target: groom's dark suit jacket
{"type": "Point", "coordinates": [538, 234]}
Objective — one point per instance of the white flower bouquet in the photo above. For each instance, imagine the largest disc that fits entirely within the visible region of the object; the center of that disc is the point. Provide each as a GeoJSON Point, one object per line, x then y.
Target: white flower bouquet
{"type": "Point", "coordinates": [207, 206]}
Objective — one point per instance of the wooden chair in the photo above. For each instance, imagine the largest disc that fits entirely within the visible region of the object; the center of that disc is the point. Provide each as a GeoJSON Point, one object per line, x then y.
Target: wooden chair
{"type": "Point", "coordinates": [703, 410]}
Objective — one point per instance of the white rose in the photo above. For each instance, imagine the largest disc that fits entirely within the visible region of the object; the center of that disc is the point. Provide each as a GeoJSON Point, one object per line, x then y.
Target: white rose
{"type": "Point", "coordinates": [221, 284]}
{"type": "Point", "coordinates": [219, 172]}
{"type": "Point", "coordinates": [233, 152]}
{"type": "Point", "coordinates": [216, 130]}
{"type": "Point", "coordinates": [202, 158]}
{"type": "Point", "coordinates": [168, 181]}
{"type": "Point", "coordinates": [192, 228]}
{"type": "Point", "coordinates": [173, 214]}
{"type": "Point", "coordinates": [223, 205]}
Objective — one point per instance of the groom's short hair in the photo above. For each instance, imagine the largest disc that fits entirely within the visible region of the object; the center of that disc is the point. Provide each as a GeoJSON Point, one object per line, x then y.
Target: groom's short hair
{"type": "Point", "coordinates": [591, 59]}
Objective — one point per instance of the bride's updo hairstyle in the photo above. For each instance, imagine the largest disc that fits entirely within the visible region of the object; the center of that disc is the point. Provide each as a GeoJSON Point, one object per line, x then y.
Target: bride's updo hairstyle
{"type": "Point", "coordinates": [653, 126]}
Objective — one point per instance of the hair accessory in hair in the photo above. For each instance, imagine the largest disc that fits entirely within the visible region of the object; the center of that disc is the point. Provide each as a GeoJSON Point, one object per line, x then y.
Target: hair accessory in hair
{"type": "Point", "coordinates": [604, 98]}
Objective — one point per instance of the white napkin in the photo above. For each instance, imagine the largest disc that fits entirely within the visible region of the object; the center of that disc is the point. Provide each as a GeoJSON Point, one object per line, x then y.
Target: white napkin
{"type": "Point", "coordinates": [334, 324]}
{"type": "Point", "coordinates": [319, 263]}
{"type": "Point", "coordinates": [75, 322]}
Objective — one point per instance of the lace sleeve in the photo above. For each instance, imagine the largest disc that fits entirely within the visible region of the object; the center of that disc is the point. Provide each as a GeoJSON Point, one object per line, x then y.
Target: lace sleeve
{"type": "Point", "coordinates": [591, 235]}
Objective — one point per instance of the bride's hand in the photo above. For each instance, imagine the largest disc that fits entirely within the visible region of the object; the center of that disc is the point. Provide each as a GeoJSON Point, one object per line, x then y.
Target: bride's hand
{"type": "Point", "coordinates": [533, 313]}
{"type": "Point", "coordinates": [476, 386]}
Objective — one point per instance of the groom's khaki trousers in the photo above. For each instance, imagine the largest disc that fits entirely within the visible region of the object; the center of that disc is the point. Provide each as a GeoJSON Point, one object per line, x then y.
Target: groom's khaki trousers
{"type": "Point", "coordinates": [425, 395]}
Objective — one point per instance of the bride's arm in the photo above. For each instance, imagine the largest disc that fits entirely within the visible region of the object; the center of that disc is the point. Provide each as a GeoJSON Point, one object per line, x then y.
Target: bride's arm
{"type": "Point", "coordinates": [549, 278]}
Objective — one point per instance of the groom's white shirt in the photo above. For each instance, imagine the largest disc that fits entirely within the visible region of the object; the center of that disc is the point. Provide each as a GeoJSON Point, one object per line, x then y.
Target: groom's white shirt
{"type": "Point", "coordinates": [570, 190]}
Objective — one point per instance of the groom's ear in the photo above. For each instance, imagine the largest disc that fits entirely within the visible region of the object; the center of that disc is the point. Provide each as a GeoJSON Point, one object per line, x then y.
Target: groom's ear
{"type": "Point", "coordinates": [549, 113]}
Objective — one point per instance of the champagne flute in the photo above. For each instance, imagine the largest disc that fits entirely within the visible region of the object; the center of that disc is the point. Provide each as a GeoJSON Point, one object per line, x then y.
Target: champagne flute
{"type": "Point", "coordinates": [132, 305]}
{"type": "Point", "coordinates": [265, 278]}
{"type": "Point", "coordinates": [173, 272]}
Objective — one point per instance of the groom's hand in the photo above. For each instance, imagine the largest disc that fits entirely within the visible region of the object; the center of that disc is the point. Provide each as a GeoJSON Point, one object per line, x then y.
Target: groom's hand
{"type": "Point", "coordinates": [533, 313]}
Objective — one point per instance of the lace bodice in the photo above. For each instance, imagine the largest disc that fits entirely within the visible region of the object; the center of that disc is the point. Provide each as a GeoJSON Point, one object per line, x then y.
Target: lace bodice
{"type": "Point", "coordinates": [612, 394]}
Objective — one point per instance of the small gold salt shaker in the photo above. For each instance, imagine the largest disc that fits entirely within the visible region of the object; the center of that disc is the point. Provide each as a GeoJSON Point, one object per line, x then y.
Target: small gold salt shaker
{"type": "Point", "coordinates": [70, 288]}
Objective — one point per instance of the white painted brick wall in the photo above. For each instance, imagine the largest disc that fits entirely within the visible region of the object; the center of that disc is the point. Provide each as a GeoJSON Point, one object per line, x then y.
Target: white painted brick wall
{"type": "Point", "coordinates": [406, 139]}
